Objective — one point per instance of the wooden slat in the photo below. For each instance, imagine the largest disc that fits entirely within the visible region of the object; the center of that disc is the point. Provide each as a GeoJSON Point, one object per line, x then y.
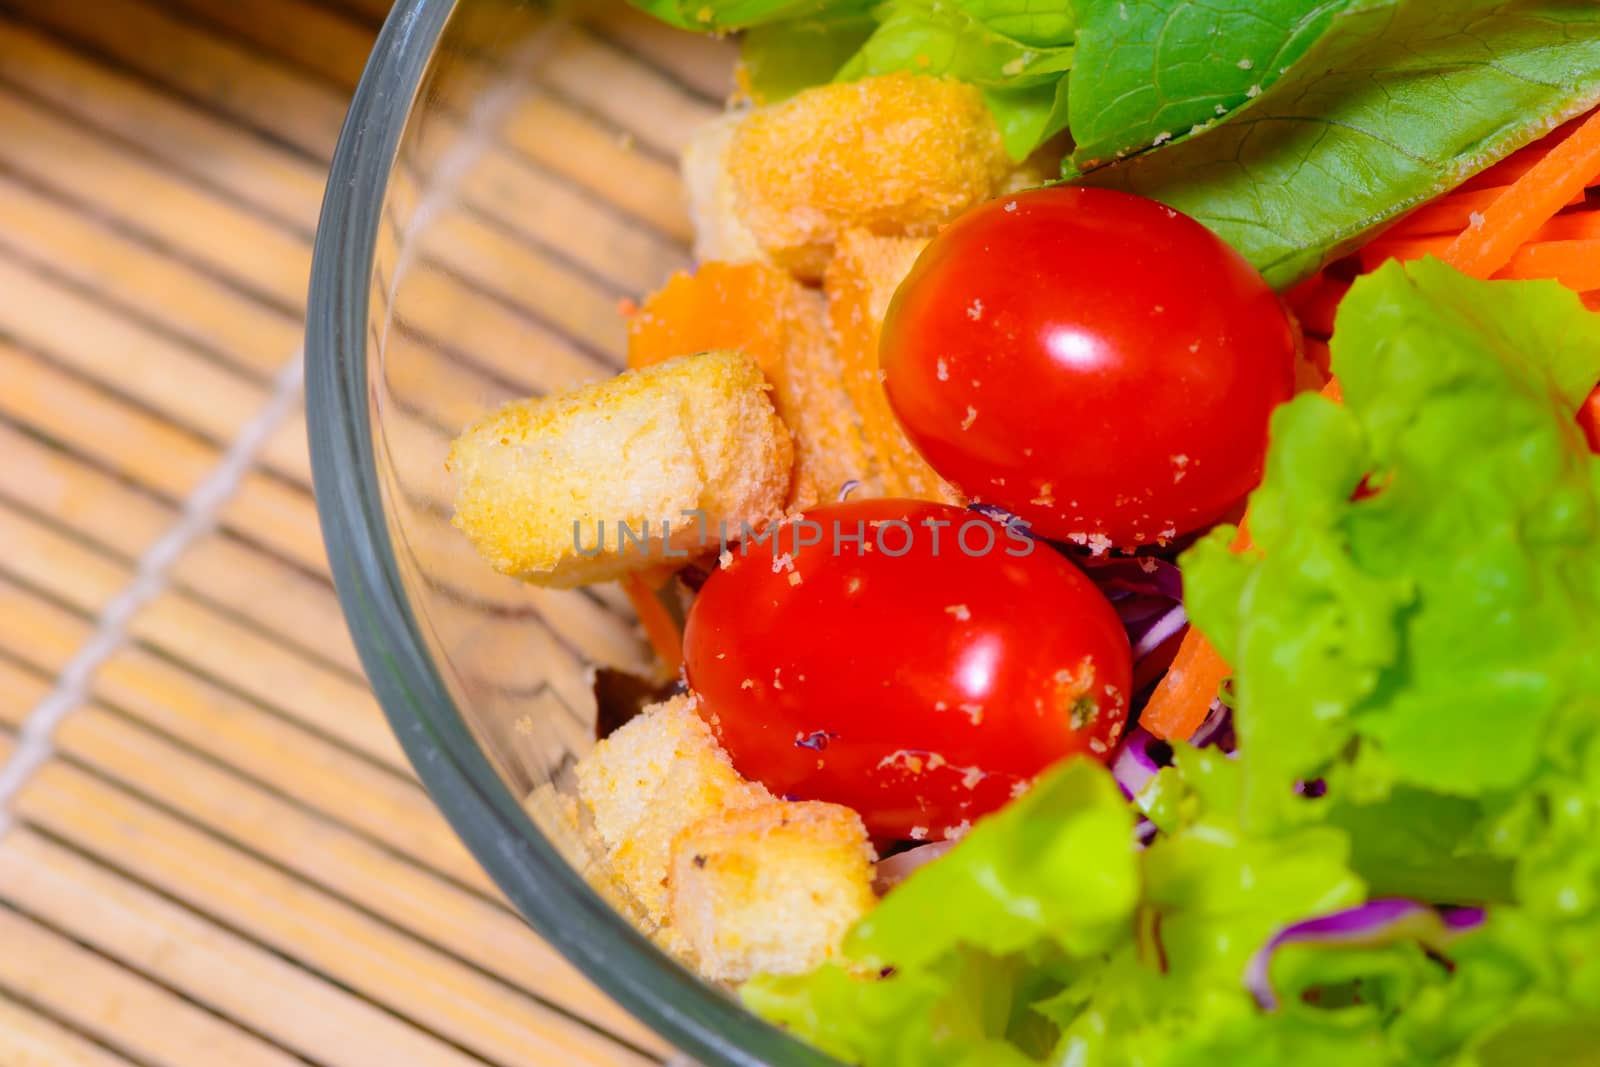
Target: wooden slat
{"type": "Point", "coordinates": [205, 227]}
{"type": "Point", "coordinates": [181, 386]}
{"type": "Point", "coordinates": [557, 216]}
{"type": "Point", "coordinates": [326, 854]}
{"type": "Point", "coordinates": [66, 569]}
{"type": "Point", "coordinates": [20, 690]}
{"type": "Point", "coordinates": [702, 62]}
{"type": "Point", "coordinates": [289, 759]}
{"type": "Point", "coordinates": [563, 139]}
{"type": "Point", "coordinates": [517, 348]}
{"type": "Point", "coordinates": [270, 749]}
{"type": "Point", "coordinates": [255, 91]}
{"type": "Point", "coordinates": [288, 604]}
{"type": "Point", "coordinates": [28, 1039]}
{"type": "Point", "coordinates": [153, 453]}
{"type": "Point", "coordinates": [574, 305]}
{"type": "Point", "coordinates": [374, 11]}
{"type": "Point", "coordinates": [218, 568]}
{"type": "Point", "coordinates": [332, 702]}
{"type": "Point", "coordinates": [40, 632]}
{"type": "Point", "coordinates": [98, 424]}
{"type": "Point", "coordinates": [601, 78]}
{"type": "Point", "coordinates": [312, 35]}
{"type": "Point", "coordinates": [97, 505]}
{"type": "Point", "coordinates": [114, 1004]}
{"type": "Point", "coordinates": [302, 923]}
{"type": "Point", "coordinates": [130, 274]}
{"type": "Point", "coordinates": [278, 181]}
{"type": "Point", "coordinates": [207, 963]}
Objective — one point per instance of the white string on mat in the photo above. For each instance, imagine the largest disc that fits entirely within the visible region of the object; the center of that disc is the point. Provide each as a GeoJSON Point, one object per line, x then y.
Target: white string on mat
{"type": "Point", "coordinates": [197, 517]}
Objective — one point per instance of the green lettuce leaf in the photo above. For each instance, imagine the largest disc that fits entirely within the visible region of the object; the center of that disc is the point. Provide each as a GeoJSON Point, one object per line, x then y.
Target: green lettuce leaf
{"type": "Point", "coordinates": [716, 16]}
{"type": "Point", "coordinates": [782, 58]}
{"type": "Point", "coordinates": [1464, 594]}
{"type": "Point", "coordinates": [946, 970]}
{"type": "Point", "coordinates": [1017, 52]}
{"type": "Point", "coordinates": [1149, 72]}
{"type": "Point", "coordinates": [1396, 102]}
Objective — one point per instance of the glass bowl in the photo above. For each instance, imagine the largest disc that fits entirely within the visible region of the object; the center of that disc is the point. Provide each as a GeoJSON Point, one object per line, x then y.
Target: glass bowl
{"type": "Point", "coordinates": [506, 176]}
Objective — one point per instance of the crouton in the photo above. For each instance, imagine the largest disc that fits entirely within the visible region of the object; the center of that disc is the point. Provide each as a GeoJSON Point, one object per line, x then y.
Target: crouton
{"type": "Point", "coordinates": [654, 777]}
{"type": "Point", "coordinates": [894, 154]}
{"type": "Point", "coordinates": [770, 889]}
{"type": "Point", "coordinates": [762, 310]}
{"type": "Point", "coordinates": [538, 477]}
{"type": "Point", "coordinates": [860, 280]}
{"type": "Point", "coordinates": [719, 233]}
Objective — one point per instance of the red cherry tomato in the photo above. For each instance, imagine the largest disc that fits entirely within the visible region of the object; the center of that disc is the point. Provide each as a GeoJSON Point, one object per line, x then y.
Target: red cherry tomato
{"type": "Point", "coordinates": [922, 681]}
{"type": "Point", "coordinates": [1091, 361]}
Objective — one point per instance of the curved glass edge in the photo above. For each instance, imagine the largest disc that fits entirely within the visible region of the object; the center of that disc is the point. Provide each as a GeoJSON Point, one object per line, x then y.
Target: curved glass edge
{"type": "Point", "coordinates": [560, 906]}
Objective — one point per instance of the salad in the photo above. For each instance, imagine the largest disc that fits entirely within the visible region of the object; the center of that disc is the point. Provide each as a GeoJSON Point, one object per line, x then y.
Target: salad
{"type": "Point", "coordinates": [1117, 509]}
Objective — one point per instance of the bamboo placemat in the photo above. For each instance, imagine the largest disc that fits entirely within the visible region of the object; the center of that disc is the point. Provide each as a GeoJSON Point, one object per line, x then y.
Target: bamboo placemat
{"type": "Point", "coordinates": [212, 853]}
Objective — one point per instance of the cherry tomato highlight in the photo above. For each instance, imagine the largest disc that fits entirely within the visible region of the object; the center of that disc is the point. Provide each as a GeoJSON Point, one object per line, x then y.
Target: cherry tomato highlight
{"type": "Point", "coordinates": [1096, 363]}
{"type": "Point", "coordinates": [922, 676]}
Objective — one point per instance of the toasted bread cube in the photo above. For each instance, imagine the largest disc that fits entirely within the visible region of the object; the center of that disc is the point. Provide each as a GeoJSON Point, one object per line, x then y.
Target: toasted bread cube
{"type": "Point", "coordinates": [719, 232]}
{"type": "Point", "coordinates": [861, 279]}
{"type": "Point", "coordinates": [540, 477]}
{"type": "Point", "coordinates": [770, 889]}
{"type": "Point", "coordinates": [761, 309]}
{"type": "Point", "coordinates": [654, 777]}
{"type": "Point", "coordinates": [893, 154]}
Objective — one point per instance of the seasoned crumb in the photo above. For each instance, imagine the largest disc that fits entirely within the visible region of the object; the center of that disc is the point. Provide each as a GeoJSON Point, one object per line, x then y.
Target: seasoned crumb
{"type": "Point", "coordinates": [653, 777]}
{"type": "Point", "coordinates": [894, 154]}
{"type": "Point", "coordinates": [771, 888]}
{"type": "Point", "coordinates": [537, 477]}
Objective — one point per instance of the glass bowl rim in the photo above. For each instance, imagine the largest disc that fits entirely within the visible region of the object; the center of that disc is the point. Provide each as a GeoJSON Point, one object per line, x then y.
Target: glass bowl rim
{"type": "Point", "coordinates": [549, 893]}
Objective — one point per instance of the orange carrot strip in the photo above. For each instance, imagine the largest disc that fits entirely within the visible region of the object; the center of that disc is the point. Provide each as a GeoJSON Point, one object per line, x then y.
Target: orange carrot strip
{"type": "Point", "coordinates": [1453, 213]}
{"type": "Point", "coordinates": [1383, 249]}
{"type": "Point", "coordinates": [1568, 168]}
{"type": "Point", "coordinates": [659, 626]}
{"type": "Point", "coordinates": [1518, 163]}
{"type": "Point", "coordinates": [1575, 264]}
{"type": "Point", "coordinates": [1182, 699]}
{"type": "Point", "coordinates": [720, 305]}
{"type": "Point", "coordinates": [1570, 226]}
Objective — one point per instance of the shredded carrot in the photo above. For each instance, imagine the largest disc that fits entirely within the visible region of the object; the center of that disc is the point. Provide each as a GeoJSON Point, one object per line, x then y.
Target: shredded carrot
{"type": "Point", "coordinates": [1404, 249]}
{"type": "Point", "coordinates": [1575, 264]}
{"type": "Point", "coordinates": [1566, 169]}
{"type": "Point", "coordinates": [1570, 226]}
{"type": "Point", "coordinates": [659, 626]}
{"type": "Point", "coordinates": [1454, 212]}
{"type": "Point", "coordinates": [720, 305]}
{"type": "Point", "coordinates": [1183, 698]}
{"type": "Point", "coordinates": [1518, 163]}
